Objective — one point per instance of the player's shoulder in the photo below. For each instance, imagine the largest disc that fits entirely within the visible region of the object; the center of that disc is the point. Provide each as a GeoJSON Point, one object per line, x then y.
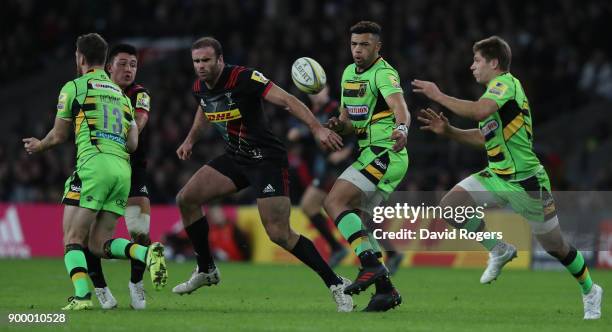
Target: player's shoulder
{"type": "Point", "coordinates": [501, 84]}
{"type": "Point", "coordinates": [383, 65]}
{"type": "Point", "coordinates": [135, 89]}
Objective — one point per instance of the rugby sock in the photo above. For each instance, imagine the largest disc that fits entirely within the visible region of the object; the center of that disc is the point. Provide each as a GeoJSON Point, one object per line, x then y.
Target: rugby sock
{"type": "Point", "coordinates": [320, 223]}
{"type": "Point", "coordinates": [137, 268]}
{"type": "Point", "coordinates": [305, 251]}
{"type": "Point", "coordinates": [94, 269]}
{"type": "Point", "coordinates": [122, 248]}
{"type": "Point", "coordinates": [76, 265]}
{"type": "Point", "coordinates": [574, 263]}
{"type": "Point", "coordinates": [350, 226]}
{"type": "Point", "coordinates": [477, 225]}
{"type": "Point", "coordinates": [198, 234]}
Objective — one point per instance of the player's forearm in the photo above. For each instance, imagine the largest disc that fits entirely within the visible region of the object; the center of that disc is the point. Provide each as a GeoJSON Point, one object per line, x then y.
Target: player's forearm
{"type": "Point", "coordinates": [464, 108]}
{"type": "Point", "coordinates": [300, 111]}
{"type": "Point", "coordinates": [196, 129]}
{"type": "Point", "coordinates": [471, 137]}
{"type": "Point", "coordinates": [53, 138]}
{"type": "Point", "coordinates": [141, 120]}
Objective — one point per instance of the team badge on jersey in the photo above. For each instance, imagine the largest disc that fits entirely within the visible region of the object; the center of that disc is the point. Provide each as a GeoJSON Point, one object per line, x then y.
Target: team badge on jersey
{"type": "Point", "coordinates": [61, 101]}
{"type": "Point", "coordinates": [394, 82]}
{"type": "Point", "coordinates": [143, 101]}
{"type": "Point", "coordinates": [257, 76]}
{"type": "Point", "coordinates": [498, 89]}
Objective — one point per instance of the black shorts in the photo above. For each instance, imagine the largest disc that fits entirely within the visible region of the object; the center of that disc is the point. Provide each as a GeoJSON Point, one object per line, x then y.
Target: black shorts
{"type": "Point", "coordinates": [139, 182]}
{"type": "Point", "coordinates": [268, 178]}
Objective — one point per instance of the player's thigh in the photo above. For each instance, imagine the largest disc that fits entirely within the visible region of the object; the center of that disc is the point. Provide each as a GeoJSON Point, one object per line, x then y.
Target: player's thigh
{"type": "Point", "coordinates": [143, 202]}
{"type": "Point", "coordinates": [210, 182]}
{"type": "Point", "coordinates": [348, 193]}
{"type": "Point", "coordinates": [76, 222]}
{"type": "Point", "coordinates": [478, 189]}
{"type": "Point", "coordinates": [139, 191]}
{"type": "Point", "coordinates": [312, 200]}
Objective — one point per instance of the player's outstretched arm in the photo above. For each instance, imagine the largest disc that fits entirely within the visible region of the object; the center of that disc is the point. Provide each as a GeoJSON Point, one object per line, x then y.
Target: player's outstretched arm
{"type": "Point", "coordinates": [184, 151]}
{"type": "Point", "coordinates": [280, 97]}
{"type": "Point", "coordinates": [439, 124]}
{"type": "Point", "coordinates": [402, 117]}
{"type": "Point", "coordinates": [475, 110]}
{"type": "Point", "coordinates": [58, 134]}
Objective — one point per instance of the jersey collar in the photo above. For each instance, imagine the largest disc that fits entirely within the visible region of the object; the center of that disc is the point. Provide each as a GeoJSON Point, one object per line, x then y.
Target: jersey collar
{"type": "Point", "coordinates": [370, 66]}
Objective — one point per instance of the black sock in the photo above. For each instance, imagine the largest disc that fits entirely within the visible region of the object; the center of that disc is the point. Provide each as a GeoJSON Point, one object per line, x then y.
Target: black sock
{"type": "Point", "coordinates": [305, 251]}
{"type": "Point", "coordinates": [94, 269]}
{"type": "Point", "coordinates": [368, 258]}
{"type": "Point", "coordinates": [320, 223]}
{"type": "Point", "coordinates": [198, 234]}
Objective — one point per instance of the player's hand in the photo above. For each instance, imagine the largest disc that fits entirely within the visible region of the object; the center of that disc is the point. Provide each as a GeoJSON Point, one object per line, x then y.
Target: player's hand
{"type": "Point", "coordinates": [184, 151]}
{"type": "Point", "coordinates": [400, 138]}
{"type": "Point", "coordinates": [434, 122]}
{"type": "Point", "coordinates": [429, 89]}
{"type": "Point", "coordinates": [32, 145]}
{"type": "Point", "coordinates": [335, 124]}
{"type": "Point", "coordinates": [329, 139]}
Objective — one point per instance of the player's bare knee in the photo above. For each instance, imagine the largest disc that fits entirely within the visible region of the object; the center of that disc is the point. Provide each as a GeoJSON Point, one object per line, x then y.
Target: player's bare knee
{"type": "Point", "coordinates": [279, 236]}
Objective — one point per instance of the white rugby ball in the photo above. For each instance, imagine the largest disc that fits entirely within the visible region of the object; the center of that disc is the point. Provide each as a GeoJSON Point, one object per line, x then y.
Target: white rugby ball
{"type": "Point", "coordinates": [308, 75]}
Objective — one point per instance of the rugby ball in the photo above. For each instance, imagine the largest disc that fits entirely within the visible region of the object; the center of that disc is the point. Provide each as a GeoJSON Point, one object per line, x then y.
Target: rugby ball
{"type": "Point", "coordinates": [308, 75]}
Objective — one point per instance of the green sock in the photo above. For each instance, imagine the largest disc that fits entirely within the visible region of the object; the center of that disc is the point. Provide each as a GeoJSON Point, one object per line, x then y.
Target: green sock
{"type": "Point", "coordinates": [122, 248]}
{"type": "Point", "coordinates": [350, 226]}
{"type": "Point", "coordinates": [477, 225]}
{"type": "Point", "coordinates": [76, 265]}
{"type": "Point", "coordinates": [574, 263]}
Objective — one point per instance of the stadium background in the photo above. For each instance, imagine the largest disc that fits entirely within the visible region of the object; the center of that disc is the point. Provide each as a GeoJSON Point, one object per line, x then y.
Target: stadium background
{"type": "Point", "coordinates": [559, 53]}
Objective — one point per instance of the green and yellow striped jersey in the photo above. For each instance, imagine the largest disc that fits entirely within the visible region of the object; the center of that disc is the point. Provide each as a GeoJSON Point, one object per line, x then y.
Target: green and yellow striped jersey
{"type": "Point", "coordinates": [508, 132]}
{"type": "Point", "coordinates": [101, 113]}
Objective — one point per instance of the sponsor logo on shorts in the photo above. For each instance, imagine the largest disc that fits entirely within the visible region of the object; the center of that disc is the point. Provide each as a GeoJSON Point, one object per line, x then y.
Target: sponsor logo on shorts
{"type": "Point", "coordinates": [380, 163]}
{"type": "Point", "coordinates": [144, 189]}
{"type": "Point", "coordinates": [121, 203]}
{"type": "Point", "coordinates": [269, 189]}
{"type": "Point", "coordinates": [89, 198]}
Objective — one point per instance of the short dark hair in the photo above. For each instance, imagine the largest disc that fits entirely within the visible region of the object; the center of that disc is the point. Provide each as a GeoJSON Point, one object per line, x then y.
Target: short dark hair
{"type": "Point", "coordinates": [495, 47]}
{"type": "Point", "coordinates": [93, 47]}
{"type": "Point", "coordinates": [208, 42]}
{"type": "Point", "coordinates": [121, 48]}
{"type": "Point", "coordinates": [366, 27]}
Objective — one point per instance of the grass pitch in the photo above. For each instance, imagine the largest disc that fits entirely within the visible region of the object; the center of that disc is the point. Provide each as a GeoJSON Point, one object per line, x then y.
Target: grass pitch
{"type": "Point", "coordinates": [292, 298]}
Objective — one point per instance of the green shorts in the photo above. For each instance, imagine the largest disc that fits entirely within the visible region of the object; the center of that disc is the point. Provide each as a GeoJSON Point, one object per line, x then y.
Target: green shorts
{"type": "Point", "coordinates": [382, 167]}
{"type": "Point", "coordinates": [102, 182]}
{"type": "Point", "coordinates": [531, 197]}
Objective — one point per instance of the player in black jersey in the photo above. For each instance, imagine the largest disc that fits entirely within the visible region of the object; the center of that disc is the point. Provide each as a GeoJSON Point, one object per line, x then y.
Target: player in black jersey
{"type": "Point", "coordinates": [122, 66]}
{"type": "Point", "coordinates": [231, 98]}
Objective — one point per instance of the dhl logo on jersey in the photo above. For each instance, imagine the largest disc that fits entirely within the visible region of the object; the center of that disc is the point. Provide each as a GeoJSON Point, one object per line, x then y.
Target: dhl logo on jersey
{"type": "Point", "coordinates": [224, 115]}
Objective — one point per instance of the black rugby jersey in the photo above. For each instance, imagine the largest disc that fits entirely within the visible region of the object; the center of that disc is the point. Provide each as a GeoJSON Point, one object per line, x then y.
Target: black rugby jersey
{"type": "Point", "coordinates": [235, 107]}
{"type": "Point", "coordinates": [141, 102]}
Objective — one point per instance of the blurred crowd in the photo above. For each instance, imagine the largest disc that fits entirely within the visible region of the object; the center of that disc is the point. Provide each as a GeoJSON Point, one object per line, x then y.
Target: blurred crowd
{"type": "Point", "coordinates": [558, 54]}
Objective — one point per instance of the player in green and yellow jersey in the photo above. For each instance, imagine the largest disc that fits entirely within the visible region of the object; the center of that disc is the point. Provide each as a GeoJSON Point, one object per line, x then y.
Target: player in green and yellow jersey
{"type": "Point", "coordinates": [514, 175]}
{"type": "Point", "coordinates": [95, 196]}
{"type": "Point", "coordinates": [373, 108]}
